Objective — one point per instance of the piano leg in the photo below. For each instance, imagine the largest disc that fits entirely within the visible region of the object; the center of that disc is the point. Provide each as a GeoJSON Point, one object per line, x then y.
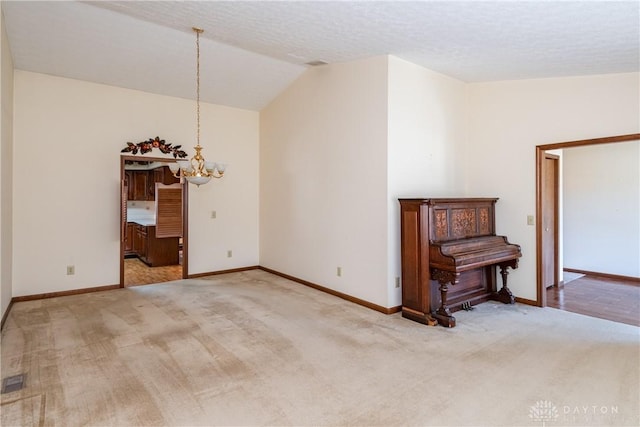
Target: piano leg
{"type": "Point", "coordinates": [504, 295]}
{"type": "Point", "coordinates": [443, 314]}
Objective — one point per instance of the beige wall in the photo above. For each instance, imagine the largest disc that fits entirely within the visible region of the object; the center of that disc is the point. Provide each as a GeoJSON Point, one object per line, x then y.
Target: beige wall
{"type": "Point", "coordinates": [427, 131]}
{"type": "Point", "coordinates": [601, 208]}
{"type": "Point", "coordinates": [323, 179]}
{"type": "Point", "coordinates": [352, 139]}
{"type": "Point", "coordinates": [506, 122]}
{"type": "Point", "coordinates": [6, 168]}
{"type": "Point", "coordinates": [67, 140]}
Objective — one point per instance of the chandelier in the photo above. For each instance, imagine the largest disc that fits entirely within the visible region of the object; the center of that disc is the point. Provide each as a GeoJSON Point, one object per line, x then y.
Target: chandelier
{"type": "Point", "coordinates": [197, 171]}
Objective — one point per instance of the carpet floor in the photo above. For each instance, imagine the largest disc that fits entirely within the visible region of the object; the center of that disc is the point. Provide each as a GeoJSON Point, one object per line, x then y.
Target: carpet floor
{"type": "Point", "coordinates": [252, 348]}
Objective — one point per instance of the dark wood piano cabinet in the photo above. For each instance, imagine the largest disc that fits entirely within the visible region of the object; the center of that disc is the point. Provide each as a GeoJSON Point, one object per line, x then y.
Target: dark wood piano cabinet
{"type": "Point", "coordinates": [449, 256]}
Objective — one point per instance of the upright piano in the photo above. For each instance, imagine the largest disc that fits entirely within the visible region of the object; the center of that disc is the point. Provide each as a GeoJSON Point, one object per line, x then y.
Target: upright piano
{"type": "Point", "coordinates": [450, 254]}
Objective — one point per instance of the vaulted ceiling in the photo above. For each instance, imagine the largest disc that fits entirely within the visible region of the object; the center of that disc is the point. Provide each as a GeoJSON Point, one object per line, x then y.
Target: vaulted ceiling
{"type": "Point", "coordinates": [252, 50]}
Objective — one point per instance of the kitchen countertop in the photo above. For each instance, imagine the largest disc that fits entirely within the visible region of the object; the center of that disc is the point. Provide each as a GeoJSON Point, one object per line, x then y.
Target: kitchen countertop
{"type": "Point", "coordinates": [145, 222]}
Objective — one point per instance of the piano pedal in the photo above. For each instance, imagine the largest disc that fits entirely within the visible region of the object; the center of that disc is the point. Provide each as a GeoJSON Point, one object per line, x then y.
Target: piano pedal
{"type": "Point", "coordinates": [467, 306]}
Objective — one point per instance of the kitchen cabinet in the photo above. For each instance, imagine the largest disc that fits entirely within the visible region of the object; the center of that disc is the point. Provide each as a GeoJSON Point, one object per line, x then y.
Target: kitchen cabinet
{"type": "Point", "coordinates": [140, 185]}
{"type": "Point", "coordinates": [154, 251]}
{"type": "Point", "coordinates": [128, 182]}
{"type": "Point", "coordinates": [164, 176]}
{"type": "Point", "coordinates": [128, 241]}
{"type": "Point", "coordinates": [151, 186]}
{"type": "Point", "coordinates": [161, 175]}
{"type": "Point", "coordinates": [140, 242]}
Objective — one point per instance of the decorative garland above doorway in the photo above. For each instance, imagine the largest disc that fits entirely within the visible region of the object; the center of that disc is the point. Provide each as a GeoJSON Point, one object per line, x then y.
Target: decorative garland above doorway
{"type": "Point", "coordinates": [146, 147]}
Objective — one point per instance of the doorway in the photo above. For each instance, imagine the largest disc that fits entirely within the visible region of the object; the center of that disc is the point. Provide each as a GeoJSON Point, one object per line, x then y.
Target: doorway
{"type": "Point", "coordinates": [547, 241]}
{"type": "Point", "coordinates": [153, 222]}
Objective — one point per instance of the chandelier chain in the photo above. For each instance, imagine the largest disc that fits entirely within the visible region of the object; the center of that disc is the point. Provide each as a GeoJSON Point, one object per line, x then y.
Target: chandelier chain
{"type": "Point", "coordinates": [197, 171]}
{"type": "Point", "coordinates": [198, 31]}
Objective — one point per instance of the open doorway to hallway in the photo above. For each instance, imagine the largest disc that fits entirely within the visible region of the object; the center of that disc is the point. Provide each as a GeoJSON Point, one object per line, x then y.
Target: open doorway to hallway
{"type": "Point", "coordinates": [586, 243]}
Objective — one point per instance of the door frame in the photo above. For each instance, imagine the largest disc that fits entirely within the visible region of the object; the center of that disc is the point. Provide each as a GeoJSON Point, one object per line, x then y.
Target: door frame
{"type": "Point", "coordinates": [541, 297]}
{"type": "Point", "coordinates": [555, 218]}
{"type": "Point", "coordinates": [185, 215]}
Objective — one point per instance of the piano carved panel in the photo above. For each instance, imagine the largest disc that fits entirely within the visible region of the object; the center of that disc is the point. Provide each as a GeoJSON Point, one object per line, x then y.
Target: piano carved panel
{"type": "Point", "coordinates": [484, 221]}
{"type": "Point", "coordinates": [442, 225]}
{"type": "Point", "coordinates": [463, 223]}
{"type": "Point", "coordinates": [450, 255]}
{"type": "Point", "coordinates": [458, 220]}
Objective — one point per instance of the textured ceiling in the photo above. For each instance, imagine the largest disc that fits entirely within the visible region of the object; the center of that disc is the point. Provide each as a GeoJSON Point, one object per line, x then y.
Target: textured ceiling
{"type": "Point", "coordinates": [251, 50]}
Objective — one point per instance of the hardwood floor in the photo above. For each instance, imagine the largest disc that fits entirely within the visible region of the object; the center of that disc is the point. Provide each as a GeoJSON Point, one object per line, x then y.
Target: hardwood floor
{"type": "Point", "coordinates": [600, 297]}
{"type": "Point", "coordinates": [138, 273]}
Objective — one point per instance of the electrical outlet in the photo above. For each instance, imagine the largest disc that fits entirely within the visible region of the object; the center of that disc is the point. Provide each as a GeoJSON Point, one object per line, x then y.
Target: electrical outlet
{"type": "Point", "coordinates": [530, 220]}
{"type": "Point", "coordinates": [339, 271]}
{"type": "Point", "coordinates": [71, 270]}
{"type": "Point", "coordinates": [229, 254]}
{"type": "Point", "coordinates": [213, 214]}
{"type": "Point", "coordinates": [397, 282]}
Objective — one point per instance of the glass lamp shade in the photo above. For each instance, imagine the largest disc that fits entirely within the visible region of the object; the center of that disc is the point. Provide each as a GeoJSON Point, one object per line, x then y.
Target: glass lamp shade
{"type": "Point", "coordinates": [221, 167]}
{"type": "Point", "coordinates": [174, 167]}
{"type": "Point", "coordinates": [185, 165]}
{"type": "Point", "coordinates": [210, 166]}
{"type": "Point", "coordinates": [198, 180]}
